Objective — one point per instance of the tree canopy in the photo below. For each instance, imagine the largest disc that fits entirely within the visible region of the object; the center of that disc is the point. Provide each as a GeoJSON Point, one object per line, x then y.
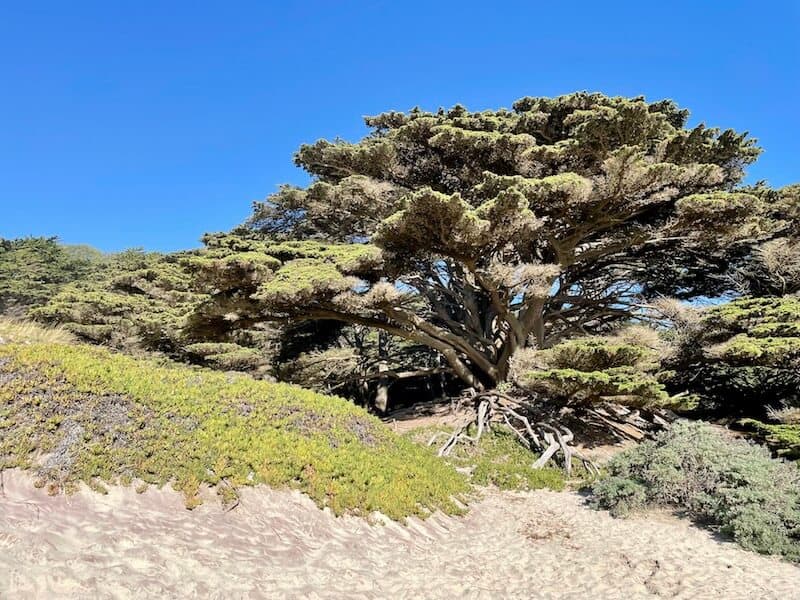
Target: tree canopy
{"type": "Point", "coordinates": [33, 269]}
{"type": "Point", "coordinates": [478, 233]}
{"type": "Point", "coordinates": [742, 357]}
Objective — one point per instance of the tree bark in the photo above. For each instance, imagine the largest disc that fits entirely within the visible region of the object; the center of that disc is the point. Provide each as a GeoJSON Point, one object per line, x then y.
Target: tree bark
{"type": "Point", "coordinates": [382, 394]}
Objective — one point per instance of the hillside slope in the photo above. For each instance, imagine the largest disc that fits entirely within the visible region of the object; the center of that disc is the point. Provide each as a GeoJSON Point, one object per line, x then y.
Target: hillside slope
{"type": "Point", "coordinates": [74, 413]}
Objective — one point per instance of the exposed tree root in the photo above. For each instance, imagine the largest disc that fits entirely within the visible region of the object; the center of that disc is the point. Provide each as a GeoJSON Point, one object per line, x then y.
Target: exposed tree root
{"type": "Point", "coordinates": [493, 407]}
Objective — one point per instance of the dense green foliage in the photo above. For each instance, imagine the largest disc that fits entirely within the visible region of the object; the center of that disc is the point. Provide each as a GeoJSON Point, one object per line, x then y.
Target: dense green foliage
{"type": "Point", "coordinates": [474, 233]}
{"type": "Point", "coordinates": [617, 368]}
{"type": "Point", "coordinates": [76, 413]}
{"type": "Point", "coordinates": [730, 484]}
{"type": "Point", "coordinates": [33, 269]}
{"type": "Point", "coordinates": [135, 298]}
{"type": "Point", "coordinates": [773, 268]}
{"type": "Point", "coordinates": [742, 357]}
{"type": "Point", "coordinates": [148, 301]}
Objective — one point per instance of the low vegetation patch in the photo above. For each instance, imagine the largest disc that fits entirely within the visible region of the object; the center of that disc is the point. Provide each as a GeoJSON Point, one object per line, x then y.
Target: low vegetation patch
{"type": "Point", "coordinates": [13, 330]}
{"type": "Point", "coordinates": [732, 485]}
{"type": "Point", "coordinates": [498, 459]}
{"type": "Point", "coordinates": [83, 414]}
{"type": "Point", "coordinates": [782, 438]}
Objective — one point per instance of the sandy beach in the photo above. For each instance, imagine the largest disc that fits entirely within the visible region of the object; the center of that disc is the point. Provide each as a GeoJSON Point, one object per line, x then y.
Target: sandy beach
{"type": "Point", "coordinates": [278, 544]}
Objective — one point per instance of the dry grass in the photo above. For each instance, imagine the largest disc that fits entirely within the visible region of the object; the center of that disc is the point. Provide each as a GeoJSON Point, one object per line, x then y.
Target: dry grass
{"type": "Point", "coordinates": [25, 332]}
{"type": "Point", "coordinates": [788, 415]}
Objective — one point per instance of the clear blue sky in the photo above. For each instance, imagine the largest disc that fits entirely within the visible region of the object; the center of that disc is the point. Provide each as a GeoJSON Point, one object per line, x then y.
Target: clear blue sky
{"type": "Point", "coordinates": [148, 123]}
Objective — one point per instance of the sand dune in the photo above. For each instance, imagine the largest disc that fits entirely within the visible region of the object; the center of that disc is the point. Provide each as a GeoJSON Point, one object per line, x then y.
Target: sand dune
{"type": "Point", "coordinates": [278, 544]}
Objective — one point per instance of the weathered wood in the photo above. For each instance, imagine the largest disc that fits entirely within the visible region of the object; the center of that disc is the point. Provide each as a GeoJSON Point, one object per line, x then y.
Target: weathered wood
{"type": "Point", "coordinates": [549, 439]}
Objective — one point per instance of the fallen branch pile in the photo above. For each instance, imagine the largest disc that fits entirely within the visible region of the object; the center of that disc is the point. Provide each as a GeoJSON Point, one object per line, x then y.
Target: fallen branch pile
{"type": "Point", "coordinates": [550, 439]}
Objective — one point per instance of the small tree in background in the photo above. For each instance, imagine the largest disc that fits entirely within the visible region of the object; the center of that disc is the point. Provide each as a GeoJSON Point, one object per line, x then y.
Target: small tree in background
{"type": "Point", "coordinates": [139, 301]}
{"type": "Point", "coordinates": [33, 269]}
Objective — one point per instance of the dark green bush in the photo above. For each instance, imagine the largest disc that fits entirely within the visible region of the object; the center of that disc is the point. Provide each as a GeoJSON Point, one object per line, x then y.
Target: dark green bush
{"type": "Point", "coordinates": [743, 358]}
{"type": "Point", "coordinates": [731, 485]}
{"type": "Point", "coordinates": [782, 438]}
{"type": "Point", "coordinates": [617, 368]}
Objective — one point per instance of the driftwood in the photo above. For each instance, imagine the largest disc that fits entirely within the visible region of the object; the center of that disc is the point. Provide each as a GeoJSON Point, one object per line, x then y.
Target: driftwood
{"type": "Point", "coordinates": [495, 407]}
{"type": "Point", "coordinates": [630, 423]}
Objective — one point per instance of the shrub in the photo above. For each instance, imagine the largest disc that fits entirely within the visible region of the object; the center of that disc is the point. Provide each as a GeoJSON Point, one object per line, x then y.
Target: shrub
{"type": "Point", "coordinates": [742, 358]}
{"type": "Point", "coordinates": [732, 485]}
{"type": "Point", "coordinates": [134, 300]}
{"type": "Point", "coordinates": [623, 384]}
{"type": "Point", "coordinates": [84, 414]}
{"type": "Point", "coordinates": [592, 369]}
{"type": "Point", "coordinates": [146, 301]}
{"type": "Point", "coordinates": [225, 356]}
